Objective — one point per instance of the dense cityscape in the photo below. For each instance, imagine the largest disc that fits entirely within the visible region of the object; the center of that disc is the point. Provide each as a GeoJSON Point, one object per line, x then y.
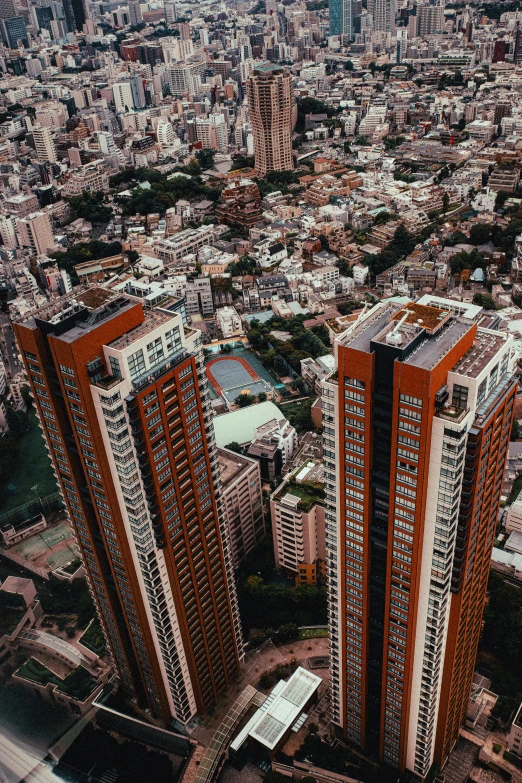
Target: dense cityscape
{"type": "Point", "coordinates": [260, 348]}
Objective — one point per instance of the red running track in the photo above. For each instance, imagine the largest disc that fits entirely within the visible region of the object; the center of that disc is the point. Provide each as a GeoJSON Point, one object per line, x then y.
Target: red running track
{"type": "Point", "coordinates": [215, 385]}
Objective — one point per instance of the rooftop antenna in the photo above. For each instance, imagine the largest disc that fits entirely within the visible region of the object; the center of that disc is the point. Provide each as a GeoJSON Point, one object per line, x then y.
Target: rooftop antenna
{"type": "Point", "coordinates": [354, 324]}
{"type": "Point", "coordinates": [394, 337]}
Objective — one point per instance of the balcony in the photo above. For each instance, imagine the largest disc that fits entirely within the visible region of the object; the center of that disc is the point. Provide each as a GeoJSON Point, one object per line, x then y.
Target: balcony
{"type": "Point", "coordinates": [451, 413]}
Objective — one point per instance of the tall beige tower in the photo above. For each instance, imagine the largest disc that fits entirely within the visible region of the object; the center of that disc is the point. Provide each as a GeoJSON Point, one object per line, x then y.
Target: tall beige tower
{"type": "Point", "coordinates": [270, 103]}
{"type": "Point", "coordinates": [44, 144]}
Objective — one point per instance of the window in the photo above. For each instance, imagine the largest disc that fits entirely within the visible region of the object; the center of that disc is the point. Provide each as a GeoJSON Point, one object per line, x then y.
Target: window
{"type": "Point", "coordinates": [155, 351]}
{"type": "Point", "coordinates": [493, 377]}
{"type": "Point", "coordinates": [66, 370]}
{"type": "Point", "coordinates": [172, 340]}
{"type": "Point", "coordinates": [115, 366]}
{"type": "Point", "coordinates": [482, 391]}
{"type": "Point", "coordinates": [354, 382]}
{"type": "Point", "coordinates": [136, 364]}
{"type": "Point", "coordinates": [460, 396]}
{"type": "Point", "coordinates": [407, 398]}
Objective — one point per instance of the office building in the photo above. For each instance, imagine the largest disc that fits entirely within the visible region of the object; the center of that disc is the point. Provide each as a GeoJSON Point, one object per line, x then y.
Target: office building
{"type": "Point", "coordinates": [271, 105]}
{"type": "Point", "coordinates": [121, 397]}
{"type": "Point", "coordinates": [383, 14]}
{"type": "Point", "coordinates": [15, 32]}
{"type": "Point", "coordinates": [74, 15]}
{"type": "Point", "coordinates": [43, 16]}
{"type": "Point", "coordinates": [416, 430]}
{"type": "Point", "coordinates": [341, 18]}
{"type": "Point", "coordinates": [35, 233]}
{"type": "Point", "coordinates": [44, 144]}
{"type": "Point", "coordinates": [243, 500]}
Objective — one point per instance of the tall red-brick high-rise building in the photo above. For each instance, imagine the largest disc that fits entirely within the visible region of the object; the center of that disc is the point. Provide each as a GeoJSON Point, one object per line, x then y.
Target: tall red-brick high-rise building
{"type": "Point", "coordinates": [121, 396]}
{"type": "Point", "coordinates": [417, 418]}
{"type": "Point", "coordinates": [271, 107]}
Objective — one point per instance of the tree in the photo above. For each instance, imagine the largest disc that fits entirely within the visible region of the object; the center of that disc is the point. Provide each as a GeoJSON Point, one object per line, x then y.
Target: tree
{"type": "Point", "coordinates": [261, 397]}
{"type": "Point", "coordinates": [515, 430]}
{"type": "Point", "coordinates": [502, 197]}
{"type": "Point", "coordinates": [235, 446]}
{"type": "Point", "coordinates": [280, 365]}
{"type": "Point", "coordinates": [324, 242]}
{"type": "Point", "coordinates": [485, 301]}
{"type": "Point", "coordinates": [244, 400]}
{"type": "Point", "coordinates": [480, 234]}
{"type": "Point", "coordinates": [205, 158]}
{"type": "Point", "coordinates": [445, 202]}
{"type": "Point", "coordinates": [90, 206]}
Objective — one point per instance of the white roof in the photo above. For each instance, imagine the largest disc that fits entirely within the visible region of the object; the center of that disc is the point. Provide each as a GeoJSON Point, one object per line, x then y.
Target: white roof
{"type": "Point", "coordinates": [280, 710]}
{"type": "Point", "coordinates": [507, 558]}
{"type": "Point", "coordinates": [241, 425]}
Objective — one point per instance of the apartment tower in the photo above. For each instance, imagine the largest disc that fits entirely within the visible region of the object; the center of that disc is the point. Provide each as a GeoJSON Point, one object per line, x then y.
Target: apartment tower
{"type": "Point", "coordinates": [271, 109]}
{"type": "Point", "coordinates": [123, 406]}
{"type": "Point", "coordinates": [44, 144]}
{"type": "Point", "coordinates": [383, 13]}
{"type": "Point", "coordinates": [417, 418]}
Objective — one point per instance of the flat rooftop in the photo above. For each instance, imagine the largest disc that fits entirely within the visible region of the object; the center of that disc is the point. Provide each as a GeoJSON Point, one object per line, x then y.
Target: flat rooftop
{"type": "Point", "coordinates": [231, 465]}
{"type": "Point", "coordinates": [280, 711]}
{"type": "Point", "coordinates": [429, 317]}
{"type": "Point", "coordinates": [485, 347]}
{"type": "Point", "coordinates": [153, 319]}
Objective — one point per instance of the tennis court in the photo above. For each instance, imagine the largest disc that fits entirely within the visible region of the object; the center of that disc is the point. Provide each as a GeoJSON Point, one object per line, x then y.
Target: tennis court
{"type": "Point", "coordinates": [51, 548]}
{"type": "Point", "coordinates": [230, 376]}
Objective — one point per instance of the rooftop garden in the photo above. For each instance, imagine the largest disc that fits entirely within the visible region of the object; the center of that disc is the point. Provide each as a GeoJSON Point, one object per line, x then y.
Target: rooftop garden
{"type": "Point", "coordinates": [78, 684]}
{"type": "Point", "coordinates": [93, 638]}
{"type": "Point", "coordinates": [309, 493]}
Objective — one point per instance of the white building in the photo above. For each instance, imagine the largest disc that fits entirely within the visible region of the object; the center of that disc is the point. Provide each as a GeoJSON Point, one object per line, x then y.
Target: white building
{"type": "Point", "coordinates": [123, 99]}
{"type": "Point", "coordinates": [229, 322]}
{"type": "Point", "coordinates": [44, 144]}
{"type": "Point", "coordinates": [514, 516]}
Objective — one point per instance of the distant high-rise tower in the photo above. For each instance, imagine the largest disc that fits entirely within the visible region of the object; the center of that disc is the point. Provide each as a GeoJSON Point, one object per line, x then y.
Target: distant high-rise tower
{"type": "Point", "coordinates": [383, 13]}
{"type": "Point", "coordinates": [402, 43]}
{"type": "Point", "coordinates": [430, 19]}
{"type": "Point", "coordinates": [135, 15]}
{"type": "Point", "coordinates": [517, 52]}
{"type": "Point", "coordinates": [499, 51]}
{"type": "Point", "coordinates": [417, 420]}
{"type": "Point", "coordinates": [121, 396]}
{"type": "Point", "coordinates": [170, 12]}
{"type": "Point", "coordinates": [7, 9]}
{"type": "Point", "coordinates": [44, 144]}
{"type": "Point", "coordinates": [271, 109]}
{"type": "Point", "coordinates": [15, 32]}
{"type": "Point", "coordinates": [341, 18]}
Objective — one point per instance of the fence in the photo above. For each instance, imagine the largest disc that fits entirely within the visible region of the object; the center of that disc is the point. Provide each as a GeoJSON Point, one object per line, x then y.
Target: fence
{"type": "Point", "coordinates": [46, 505]}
